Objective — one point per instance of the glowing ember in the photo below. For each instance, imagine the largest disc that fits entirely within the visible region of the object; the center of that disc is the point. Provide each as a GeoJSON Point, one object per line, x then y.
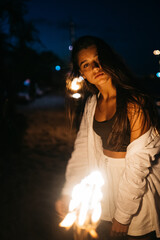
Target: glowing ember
{"type": "Point", "coordinates": [85, 207]}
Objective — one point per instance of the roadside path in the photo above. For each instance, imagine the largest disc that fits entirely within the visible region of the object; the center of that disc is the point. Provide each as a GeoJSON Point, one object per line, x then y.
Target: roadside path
{"type": "Point", "coordinates": [34, 175]}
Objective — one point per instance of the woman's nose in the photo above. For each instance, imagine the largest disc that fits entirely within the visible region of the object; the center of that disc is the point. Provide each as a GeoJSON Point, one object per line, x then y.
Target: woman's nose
{"type": "Point", "coordinates": [95, 65]}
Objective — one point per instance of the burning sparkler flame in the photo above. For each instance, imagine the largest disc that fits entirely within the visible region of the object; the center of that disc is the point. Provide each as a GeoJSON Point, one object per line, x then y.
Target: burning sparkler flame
{"type": "Point", "coordinates": [69, 219]}
{"type": "Point", "coordinates": [85, 207]}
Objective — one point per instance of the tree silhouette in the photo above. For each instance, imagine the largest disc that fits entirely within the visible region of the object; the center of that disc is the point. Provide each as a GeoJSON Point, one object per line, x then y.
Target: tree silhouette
{"type": "Point", "coordinates": [18, 60]}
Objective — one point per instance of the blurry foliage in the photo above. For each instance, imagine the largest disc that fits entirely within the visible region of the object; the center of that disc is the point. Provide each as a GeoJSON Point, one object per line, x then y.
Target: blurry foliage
{"type": "Point", "coordinates": [19, 61]}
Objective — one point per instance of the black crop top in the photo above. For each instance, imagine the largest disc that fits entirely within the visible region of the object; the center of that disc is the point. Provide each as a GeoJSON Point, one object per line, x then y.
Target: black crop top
{"type": "Point", "coordinates": [103, 129]}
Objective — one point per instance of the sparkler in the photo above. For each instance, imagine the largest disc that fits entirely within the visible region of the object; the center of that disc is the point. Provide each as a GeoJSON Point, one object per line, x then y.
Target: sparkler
{"type": "Point", "coordinates": [85, 207]}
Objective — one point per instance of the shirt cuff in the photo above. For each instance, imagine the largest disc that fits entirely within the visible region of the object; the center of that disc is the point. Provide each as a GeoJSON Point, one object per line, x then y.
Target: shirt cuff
{"type": "Point", "coordinates": [122, 217]}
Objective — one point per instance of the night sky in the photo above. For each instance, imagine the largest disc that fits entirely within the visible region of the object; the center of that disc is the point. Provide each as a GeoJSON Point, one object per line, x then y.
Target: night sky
{"type": "Point", "coordinates": [132, 28]}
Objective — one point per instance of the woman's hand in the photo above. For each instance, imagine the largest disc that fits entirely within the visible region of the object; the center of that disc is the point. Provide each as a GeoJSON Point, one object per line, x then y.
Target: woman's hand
{"type": "Point", "coordinates": [118, 229]}
{"type": "Point", "coordinates": [61, 206]}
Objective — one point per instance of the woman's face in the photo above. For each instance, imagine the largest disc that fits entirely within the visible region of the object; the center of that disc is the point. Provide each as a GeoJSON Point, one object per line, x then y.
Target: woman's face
{"type": "Point", "coordinates": [90, 67]}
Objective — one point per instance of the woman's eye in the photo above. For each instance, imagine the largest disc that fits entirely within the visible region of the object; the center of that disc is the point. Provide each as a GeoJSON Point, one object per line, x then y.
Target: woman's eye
{"type": "Point", "coordinates": [85, 65]}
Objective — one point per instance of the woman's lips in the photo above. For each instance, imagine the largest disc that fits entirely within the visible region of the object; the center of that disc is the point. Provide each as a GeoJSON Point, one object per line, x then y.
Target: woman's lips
{"type": "Point", "coordinates": [99, 74]}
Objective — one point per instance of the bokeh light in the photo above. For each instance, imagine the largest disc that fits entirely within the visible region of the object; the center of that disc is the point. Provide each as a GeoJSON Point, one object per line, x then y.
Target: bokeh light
{"type": "Point", "coordinates": [156, 52]}
{"type": "Point", "coordinates": [76, 95]}
{"type": "Point", "coordinates": [57, 68]}
{"type": "Point", "coordinates": [70, 47]}
{"type": "Point", "coordinates": [158, 74]}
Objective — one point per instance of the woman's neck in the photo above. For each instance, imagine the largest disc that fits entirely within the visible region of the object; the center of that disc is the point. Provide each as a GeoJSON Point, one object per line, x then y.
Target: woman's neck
{"type": "Point", "coordinates": [107, 90]}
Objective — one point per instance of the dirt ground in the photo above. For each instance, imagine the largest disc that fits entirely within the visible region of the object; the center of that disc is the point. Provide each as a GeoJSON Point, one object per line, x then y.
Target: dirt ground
{"type": "Point", "coordinates": [33, 174]}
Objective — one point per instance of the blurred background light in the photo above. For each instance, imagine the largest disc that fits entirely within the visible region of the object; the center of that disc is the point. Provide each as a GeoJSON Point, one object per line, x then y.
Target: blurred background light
{"type": "Point", "coordinates": [76, 95]}
{"type": "Point", "coordinates": [75, 84]}
{"type": "Point", "coordinates": [27, 82]}
{"type": "Point", "coordinates": [156, 52]}
{"type": "Point", "coordinates": [57, 68]}
{"type": "Point", "coordinates": [158, 74]}
{"type": "Point", "coordinates": [70, 47]}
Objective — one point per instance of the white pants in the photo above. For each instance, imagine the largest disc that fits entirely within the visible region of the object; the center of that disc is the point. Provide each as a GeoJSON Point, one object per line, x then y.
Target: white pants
{"type": "Point", "coordinates": [112, 170]}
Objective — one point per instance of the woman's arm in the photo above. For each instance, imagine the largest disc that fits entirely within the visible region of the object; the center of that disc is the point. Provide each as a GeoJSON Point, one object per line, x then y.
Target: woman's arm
{"type": "Point", "coordinates": [132, 186]}
{"type": "Point", "coordinates": [77, 167]}
{"type": "Point", "coordinates": [139, 124]}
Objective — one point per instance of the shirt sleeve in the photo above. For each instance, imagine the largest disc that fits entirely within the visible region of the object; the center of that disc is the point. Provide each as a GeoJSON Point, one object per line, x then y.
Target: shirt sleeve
{"type": "Point", "coordinates": [133, 184]}
{"type": "Point", "coordinates": [77, 167]}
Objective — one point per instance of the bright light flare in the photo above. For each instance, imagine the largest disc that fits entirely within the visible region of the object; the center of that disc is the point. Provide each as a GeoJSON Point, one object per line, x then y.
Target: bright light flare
{"type": "Point", "coordinates": [76, 95]}
{"type": "Point", "coordinates": [156, 52]}
{"type": "Point", "coordinates": [69, 219]}
{"type": "Point", "coordinates": [85, 206]}
{"type": "Point", "coordinates": [75, 84]}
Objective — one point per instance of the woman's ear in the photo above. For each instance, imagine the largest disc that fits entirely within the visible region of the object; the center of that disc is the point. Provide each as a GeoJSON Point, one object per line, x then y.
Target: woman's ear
{"type": "Point", "coordinates": [82, 75]}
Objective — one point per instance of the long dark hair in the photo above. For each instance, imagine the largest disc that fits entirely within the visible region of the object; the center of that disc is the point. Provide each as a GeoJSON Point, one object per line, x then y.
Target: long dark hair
{"type": "Point", "coordinates": [125, 83]}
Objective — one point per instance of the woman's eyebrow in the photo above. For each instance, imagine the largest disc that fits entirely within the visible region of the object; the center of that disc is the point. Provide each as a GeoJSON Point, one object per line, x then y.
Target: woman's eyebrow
{"type": "Point", "coordinates": [86, 60]}
{"type": "Point", "coordinates": [83, 62]}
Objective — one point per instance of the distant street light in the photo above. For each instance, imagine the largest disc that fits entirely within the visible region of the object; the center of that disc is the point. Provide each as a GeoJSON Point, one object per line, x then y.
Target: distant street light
{"type": "Point", "coordinates": [156, 52]}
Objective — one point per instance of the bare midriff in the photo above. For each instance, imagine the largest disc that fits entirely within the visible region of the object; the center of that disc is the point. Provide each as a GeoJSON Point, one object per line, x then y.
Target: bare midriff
{"type": "Point", "coordinates": [113, 154]}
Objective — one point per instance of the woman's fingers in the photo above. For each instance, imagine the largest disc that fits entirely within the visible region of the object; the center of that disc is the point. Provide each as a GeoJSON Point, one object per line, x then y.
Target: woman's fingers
{"type": "Point", "coordinates": [118, 229]}
{"type": "Point", "coordinates": [61, 206]}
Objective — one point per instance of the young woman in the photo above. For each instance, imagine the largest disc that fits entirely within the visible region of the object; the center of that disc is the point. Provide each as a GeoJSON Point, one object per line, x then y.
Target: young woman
{"type": "Point", "coordinates": [119, 135]}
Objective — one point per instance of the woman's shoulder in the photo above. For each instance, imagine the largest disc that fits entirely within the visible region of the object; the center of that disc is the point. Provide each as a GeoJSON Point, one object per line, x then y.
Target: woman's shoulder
{"type": "Point", "coordinates": [137, 106]}
{"type": "Point", "coordinates": [138, 118]}
{"type": "Point", "coordinates": [136, 103]}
